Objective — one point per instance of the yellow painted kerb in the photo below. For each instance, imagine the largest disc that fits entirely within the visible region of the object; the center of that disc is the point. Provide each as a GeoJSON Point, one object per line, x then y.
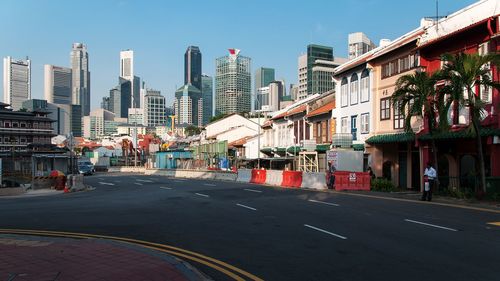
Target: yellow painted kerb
{"type": "Point", "coordinates": [220, 266]}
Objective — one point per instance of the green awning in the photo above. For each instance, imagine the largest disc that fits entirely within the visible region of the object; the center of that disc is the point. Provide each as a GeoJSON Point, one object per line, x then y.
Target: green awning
{"type": "Point", "coordinates": [391, 138]}
{"type": "Point", "coordinates": [294, 149]}
{"type": "Point", "coordinates": [322, 147]}
{"type": "Point", "coordinates": [463, 134]}
{"type": "Point", "coordinates": [358, 147]}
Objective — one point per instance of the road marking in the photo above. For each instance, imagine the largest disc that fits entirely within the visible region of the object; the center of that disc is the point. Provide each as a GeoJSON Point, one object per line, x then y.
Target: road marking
{"type": "Point", "coordinates": [143, 180]}
{"type": "Point", "coordinates": [321, 202]}
{"type": "Point", "coordinates": [433, 225]}
{"type": "Point", "coordinates": [252, 190]}
{"type": "Point", "coordinates": [209, 184]}
{"type": "Point", "coordinates": [201, 194]}
{"type": "Point", "coordinates": [417, 201]}
{"type": "Point", "coordinates": [221, 266]}
{"type": "Point", "coordinates": [248, 207]}
{"type": "Point", "coordinates": [324, 231]}
{"type": "Point", "coordinates": [138, 183]}
{"type": "Point", "coordinates": [164, 187]}
{"type": "Point", "coordinates": [496, 223]}
{"type": "Point", "coordinates": [106, 183]}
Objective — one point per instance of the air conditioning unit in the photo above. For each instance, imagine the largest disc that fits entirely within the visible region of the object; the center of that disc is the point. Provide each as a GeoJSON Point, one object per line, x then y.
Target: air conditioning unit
{"type": "Point", "coordinates": [496, 139]}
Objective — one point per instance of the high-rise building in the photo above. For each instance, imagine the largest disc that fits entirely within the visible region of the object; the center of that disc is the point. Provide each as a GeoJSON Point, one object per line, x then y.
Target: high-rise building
{"type": "Point", "coordinates": [127, 73]}
{"type": "Point", "coordinates": [188, 105]}
{"type": "Point", "coordinates": [67, 117]}
{"type": "Point", "coordinates": [294, 91]}
{"type": "Point", "coordinates": [16, 82]}
{"type": "Point", "coordinates": [154, 108]}
{"type": "Point", "coordinates": [58, 84]}
{"type": "Point", "coordinates": [192, 67]}
{"type": "Point", "coordinates": [232, 83]}
{"type": "Point", "coordinates": [276, 93]}
{"type": "Point", "coordinates": [207, 92]}
{"type": "Point", "coordinates": [263, 76]}
{"type": "Point", "coordinates": [100, 122]}
{"type": "Point", "coordinates": [106, 103]}
{"type": "Point", "coordinates": [359, 44]}
{"type": "Point", "coordinates": [80, 77]}
{"type": "Point", "coordinates": [315, 69]}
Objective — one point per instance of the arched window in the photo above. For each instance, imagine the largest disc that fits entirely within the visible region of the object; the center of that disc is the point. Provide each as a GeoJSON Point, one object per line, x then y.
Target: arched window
{"type": "Point", "coordinates": [365, 85]}
{"type": "Point", "coordinates": [354, 88]}
{"type": "Point", "coordinates": [343, 92]}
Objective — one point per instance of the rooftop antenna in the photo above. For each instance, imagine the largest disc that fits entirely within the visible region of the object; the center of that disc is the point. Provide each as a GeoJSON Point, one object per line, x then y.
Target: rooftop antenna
{"type": "Point", "coordinates": [437, 17]}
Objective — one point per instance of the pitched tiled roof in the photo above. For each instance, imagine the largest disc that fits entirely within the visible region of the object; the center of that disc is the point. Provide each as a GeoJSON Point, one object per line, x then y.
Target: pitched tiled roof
{"type": "Point", "coordinates": [322, 109]}
{"type": "Point", "coordinates": [297, 110]}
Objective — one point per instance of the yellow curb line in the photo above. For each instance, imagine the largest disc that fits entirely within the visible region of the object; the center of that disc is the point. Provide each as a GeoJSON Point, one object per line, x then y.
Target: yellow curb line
{"type": "Point", "coordinates": [150, 245]}
{"type": "Point", "coordinates": [419, 202]}
{"type": "Point", "coordinates": [496, 223]}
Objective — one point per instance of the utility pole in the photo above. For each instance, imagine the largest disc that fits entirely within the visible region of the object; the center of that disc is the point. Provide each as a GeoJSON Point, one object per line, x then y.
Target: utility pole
{"type": "Point", "coordinates": [135, 143]}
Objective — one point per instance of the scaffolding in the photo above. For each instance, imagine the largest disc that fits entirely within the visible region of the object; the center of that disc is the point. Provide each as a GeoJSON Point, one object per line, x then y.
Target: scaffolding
{"type": "Point", "coordinates": [308, 161]}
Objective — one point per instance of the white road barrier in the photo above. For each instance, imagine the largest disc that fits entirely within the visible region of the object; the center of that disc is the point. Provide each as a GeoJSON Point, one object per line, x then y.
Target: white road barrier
{"type": "Point", "coordinates": [314, 180]}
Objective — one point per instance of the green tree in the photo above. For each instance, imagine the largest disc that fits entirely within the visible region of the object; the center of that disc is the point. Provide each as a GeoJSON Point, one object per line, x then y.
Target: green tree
{"type": "Point", "coordinates": [416, 96]}
{"type": "Point", "coordinates": [192, 130]}
{"type": "Point", "coordinates": [217, 117]}
{"type": "Point", "coordinates": [466, 73]}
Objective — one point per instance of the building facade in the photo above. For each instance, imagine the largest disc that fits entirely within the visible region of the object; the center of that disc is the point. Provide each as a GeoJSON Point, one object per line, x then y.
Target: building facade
{"type": "Point", "coordinates": [80, 77]}
{"type": "Point", "coordinates": [18, 129]}
{"type": "Point", "coordinates": [188, 106]}
{"type": "Point", "coordinates": [99, 123]}
{"type": "Point", "coordinates": [263, 76]}
{"type": "Point", "coordinates": [58, 84]}
{"type": "Point", "coordinates": [359, 44]}
{"type": "Point", "coordinates": [192, 67]}
{"type": "Point", "coordinates": [127, 73]}
{"type": "Point", "coordinates": [232, 83]}
{"type": "Point", "coordinates": [16, 81]}
{"type": "Point", "coordinates": [154, 109]}
{"type": "Point", "coordinates": [207, 92]}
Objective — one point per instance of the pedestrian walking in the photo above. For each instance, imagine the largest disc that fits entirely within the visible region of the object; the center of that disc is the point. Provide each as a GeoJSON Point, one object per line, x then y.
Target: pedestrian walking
{"type": "Point", "coordinates": [430, 176]}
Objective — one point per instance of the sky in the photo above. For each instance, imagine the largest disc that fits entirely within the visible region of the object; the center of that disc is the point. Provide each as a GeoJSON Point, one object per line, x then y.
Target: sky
{"type": "Point", "coordinates": [271, 32]}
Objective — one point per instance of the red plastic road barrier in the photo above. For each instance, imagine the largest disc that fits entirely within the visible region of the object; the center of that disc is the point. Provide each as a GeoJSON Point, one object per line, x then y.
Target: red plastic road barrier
{"type": "Point", "coordinates": [292, 179]}
{"type": "Point", "coordinates": [258, 176]}
{"type": "Point", "coordinates": [352, 180]}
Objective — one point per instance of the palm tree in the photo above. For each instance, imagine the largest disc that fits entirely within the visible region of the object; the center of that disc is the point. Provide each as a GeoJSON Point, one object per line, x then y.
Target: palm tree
{"type": "Point", "coordinates": [416, 95]}
{"type": "Point", "coordinates": [465, 73]}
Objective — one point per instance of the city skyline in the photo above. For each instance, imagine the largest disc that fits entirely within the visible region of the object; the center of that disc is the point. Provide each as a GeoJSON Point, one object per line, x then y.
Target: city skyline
{"type": "Point", "coordinates": [161, 64]}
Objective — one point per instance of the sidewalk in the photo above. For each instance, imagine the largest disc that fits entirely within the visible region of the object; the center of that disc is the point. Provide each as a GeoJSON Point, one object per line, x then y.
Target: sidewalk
{"type": "Point", "coordinates": [415, 196]}
{"type": "Point", "coordinates": [26, 258]}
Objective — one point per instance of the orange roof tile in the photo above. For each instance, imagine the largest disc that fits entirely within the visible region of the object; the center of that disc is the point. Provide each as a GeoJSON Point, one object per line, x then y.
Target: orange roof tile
{"type": "Point", "coordinates": [297, 110]}
{"type": "Point", "coordinates": [279, 116]}
{"type": "Point", "coordinates": [322, 110]}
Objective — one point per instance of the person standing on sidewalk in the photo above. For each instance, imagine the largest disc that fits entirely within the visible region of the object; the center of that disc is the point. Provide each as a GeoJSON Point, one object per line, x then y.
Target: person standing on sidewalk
{"type": "Point", "coordinates": [431, 175]}
{"type": "Point", "coordinates": [331, 171]}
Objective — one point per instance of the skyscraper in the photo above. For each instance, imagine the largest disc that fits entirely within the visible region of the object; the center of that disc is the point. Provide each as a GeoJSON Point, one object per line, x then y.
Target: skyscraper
{"type": "Point", "coordinates": [232, 83]}
{"type": "Point", "coordinates": [80, 77]}
{"type": "Point", "coordinates": [188, 105]}
{"type": "Point", "coordinates": [207, 92]}
{"type": "Point", "coordinates": [58, 84]}
{"type": "Point", "coordinates": [154, 108]}
{"type": "Point", "coordinates": [192, 66]}
{"type": "Point", "coordinates": [16, 82]}
{"type": "Point", "coordinates": [127, 73]}
{"type": "Point", "coordinates": [359, 44]}
{"type": "Point", "coordinates": [263, 76]}
{"type": "Point", "coordinates": [315, 69]}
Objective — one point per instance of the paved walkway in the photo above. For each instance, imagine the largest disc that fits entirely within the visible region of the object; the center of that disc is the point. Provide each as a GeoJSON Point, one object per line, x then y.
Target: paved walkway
{"type": "Point", "coordinates": [27, 258]}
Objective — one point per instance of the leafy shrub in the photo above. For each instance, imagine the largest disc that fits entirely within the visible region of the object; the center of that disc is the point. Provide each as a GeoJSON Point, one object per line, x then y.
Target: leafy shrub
{"type": "Point", "coordinates": [381, 184]}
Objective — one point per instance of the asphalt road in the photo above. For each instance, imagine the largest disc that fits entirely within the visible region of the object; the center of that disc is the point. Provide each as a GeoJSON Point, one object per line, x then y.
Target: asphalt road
{"type": "Point", "coordinates": [273, 233]}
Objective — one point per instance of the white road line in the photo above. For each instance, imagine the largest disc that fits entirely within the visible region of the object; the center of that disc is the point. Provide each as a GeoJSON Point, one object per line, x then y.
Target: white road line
{"type": "Point", "coordinates": [106, 183]}
{"type": "Point", "coordinates": [321, 202]}
{"type": "Point", "coordinates": [143, 180]}
{"type": "Point", "coordinates": [433, 225]}
{"type": "Point", "coordinates": [164, 187]}
{"type": "Point", "coordinates": [209, 184]}
{"type": "Point", "coordinates": [252, 190]}
{"type": "Point", "coordinates": [324, 231]}
{"type": "Point", "coordinates": [203, 195]}
{"type": "Point", "coordinates": [248, 207]}
{"type": "Point", "coordinates": [137, 183]}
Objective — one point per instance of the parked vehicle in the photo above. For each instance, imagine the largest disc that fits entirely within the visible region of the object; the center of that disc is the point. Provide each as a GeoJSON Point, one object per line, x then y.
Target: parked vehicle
{"type": "Point", "coordinates": [86, 168]}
